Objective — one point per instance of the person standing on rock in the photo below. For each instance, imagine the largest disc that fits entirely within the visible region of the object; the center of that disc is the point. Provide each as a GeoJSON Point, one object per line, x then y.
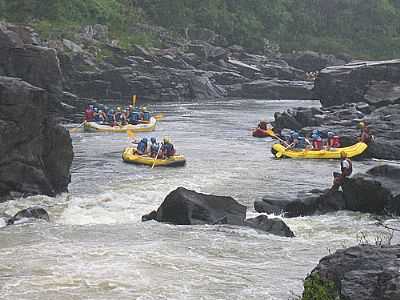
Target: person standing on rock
{"type": "Point", "coordinates": [346, 168]}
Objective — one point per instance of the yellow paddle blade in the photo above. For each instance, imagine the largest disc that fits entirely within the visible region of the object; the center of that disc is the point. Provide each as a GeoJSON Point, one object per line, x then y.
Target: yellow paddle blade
{"type": "Point", "coordinates": [159, 116]}
{"type": "Point", "coordinates": [131, 133]}
{"type": "Point", "coordinates": [271, 133]}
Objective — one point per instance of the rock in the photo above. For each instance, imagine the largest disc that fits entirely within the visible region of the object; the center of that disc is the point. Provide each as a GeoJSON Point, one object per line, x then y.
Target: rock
{"type": "Point", "coordinates": [275, 226]}
{"type": "Point", "coordinates": [363, 81]}
{"type": "Point", "coordinates": [206, 35]}
{"type": "Point", "coordinates": [310, 61]}
{"type": "Point", "coordinates": [29, 213]}
{"type": "Point", "coordinates": [186, 207]}
{"type": "Point", "coordinates": [357, 273]}
{"type": "Point", "coordinates": [36, 154]}
{"type": "Point", "coordinates": [277, 89]}
{"type": "Point", "coordinates": [72, 46]}
{"type": "Point", "coordinates": [376, 192]}
{"type": "Point", "coordinates": [207, 51]}
{"type": "Point", "coordinates": [382, 93]}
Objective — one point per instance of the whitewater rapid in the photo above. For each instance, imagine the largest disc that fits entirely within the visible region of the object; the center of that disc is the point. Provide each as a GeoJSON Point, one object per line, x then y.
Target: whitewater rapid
{"type": "Point", "coordinates": [96, 246]}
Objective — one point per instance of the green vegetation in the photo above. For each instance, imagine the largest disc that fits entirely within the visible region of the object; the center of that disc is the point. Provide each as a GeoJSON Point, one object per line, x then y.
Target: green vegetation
{"type": "Point", "coordinates": [364, 28]}
{"type": "Point", "coordinates": [317, 289]}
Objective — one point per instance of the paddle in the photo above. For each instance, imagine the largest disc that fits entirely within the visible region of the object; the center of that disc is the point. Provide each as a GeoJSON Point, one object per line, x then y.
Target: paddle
{"type": "Point", "coordinates": [155, 159]}
{"type": "Point", "coordinates": [132, 135]}
{"type": "Point", "coordinates": [76, 128]}
{"type": "Point", "coordinates": [272, 134]}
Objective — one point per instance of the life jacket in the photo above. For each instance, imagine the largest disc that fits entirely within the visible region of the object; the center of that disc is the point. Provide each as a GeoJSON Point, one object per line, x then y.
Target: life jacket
{"type": "Point", "coordinates": [323, 134]}
{"type": "Point", "coordinates": [98, 118]}
{"type": "Point", "coordinates": [110, 118]}
{"type": "Point", "coordinates": [134, 118]}
{"type": "Point", "coordinates": [154, 148]}
{"type": "Point", "coordinates": [301, 144]}
{"type": "Point", "coordinates": [346, 171]}
{"type": "Point", "coordinates": [334, 142]}
{"type": "Point", "coordinates": [118, 117]}
{"type": "Point", "coordinates": [88, 115]}
{"type": "Point", "coordinates": [142, 147]}
{"type": "Point", "coordinates": [168, 150]}
{"type": "Point", "coordinates": [146, 116]}
{"type": "Point", "coordinates": [317, 144]}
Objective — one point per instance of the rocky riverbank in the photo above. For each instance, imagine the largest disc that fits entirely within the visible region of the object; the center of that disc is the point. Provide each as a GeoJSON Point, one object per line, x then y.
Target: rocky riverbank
{"type": "Point", "coordinates": [376, 192]}
{"type": "Point", "coordinates": [358, 273]}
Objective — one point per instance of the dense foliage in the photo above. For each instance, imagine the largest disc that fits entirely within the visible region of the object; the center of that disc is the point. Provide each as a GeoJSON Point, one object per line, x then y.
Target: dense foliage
{"type": "Point", "coordinates": [365, 28]}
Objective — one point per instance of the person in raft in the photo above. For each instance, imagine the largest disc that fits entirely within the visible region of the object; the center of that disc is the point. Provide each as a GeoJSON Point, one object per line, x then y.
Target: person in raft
{"type": "Point", "coordinates": [167, 148]}
{"type": "Point", "coordinates": [346, 168]}
{"type": "Point", "coordinates": [142, 147]}
{"type": "Point", "coordinates": [365, 136]}
{"type": "Point", "coordinates": [154, 147]}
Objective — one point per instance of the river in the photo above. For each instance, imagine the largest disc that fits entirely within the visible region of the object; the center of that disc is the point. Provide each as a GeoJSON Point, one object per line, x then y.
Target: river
{"type": "Point", "coordinates": [96, 246]}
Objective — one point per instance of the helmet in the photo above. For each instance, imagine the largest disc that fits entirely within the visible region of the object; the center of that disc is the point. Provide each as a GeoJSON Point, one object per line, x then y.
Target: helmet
{"type": "Point", "coordinates": [153, 140]}
{"type": "Point", "coordinates": [361, 125]}
{"type": "Point", "coordinates": [314, 136]}
{"type": "Point", "coordinates": [315, 131]}
{"type": "Point", "coordinates": [100, 111]}
{"type": "Point", "coordinates": [167, 140]}
{"type": "Point", "coordinates": [292, 132]}
{"type": "Point", "coordinates": [119, 108]}
{"type": "Point", "coordinates": [343, 154]}
{"type": "Point", "coordinates": [144, 108]}
{"type": "Point", "coordinates": [130, 106]}
{"type": "Point", "coordinates": [91, 106]}
{"type": "Point", "coordinates": [95, 109]}
{"type": "Point", "coordinates": [144, 140]}
{"type": "Point", "coordinates": [331, 134]}
{"type": "Point", "coordinates": [111, 111]}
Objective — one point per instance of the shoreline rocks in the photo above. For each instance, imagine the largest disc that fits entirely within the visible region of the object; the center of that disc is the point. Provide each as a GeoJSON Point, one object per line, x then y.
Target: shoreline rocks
{"type": "Point", "coordinates": [36, 154]}
{"type": "Point", "coordinates": [358, 273]}
{"type": "Point", "coordinates": [377, 192]}
{"type": "Point", "coordinates": [186, 207]}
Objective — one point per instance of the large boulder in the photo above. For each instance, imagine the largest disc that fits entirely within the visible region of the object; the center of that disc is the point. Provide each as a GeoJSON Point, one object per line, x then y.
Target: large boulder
{"type": "Point", "coordinates": [374, 82]}
{"type": "Point", "coordinates": [29, 214]}
{"type": "Point", "coordinates": [36, 154]}
{"type": "Point", "coordinates": [358, 273]}
{"type": "Point", "coordinates": [186, 207]}
{"type": "Point", "coordinates": [376, 192]}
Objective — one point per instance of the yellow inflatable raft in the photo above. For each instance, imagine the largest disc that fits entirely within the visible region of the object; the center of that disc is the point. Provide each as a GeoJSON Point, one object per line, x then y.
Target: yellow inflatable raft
{"type": "Point", "coordinates": [280, 151]}
{"type": "Point", "coordinates": [143, 127]}
{"type": "Point", "coordinates": [129, 155]}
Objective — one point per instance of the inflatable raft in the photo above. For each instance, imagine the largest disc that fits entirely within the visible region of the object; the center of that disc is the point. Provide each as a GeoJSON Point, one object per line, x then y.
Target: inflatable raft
{"type": "Point", "coordinates": [279, 151]}
{"type": "Point", "coordinates": [142, 127]}
{"type": "Point", "coordinates": [129, 155]}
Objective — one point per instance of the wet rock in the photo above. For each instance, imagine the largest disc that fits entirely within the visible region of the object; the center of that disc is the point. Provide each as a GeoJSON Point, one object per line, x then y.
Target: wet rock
{"type": "Point", "coordinates": [274, 226]}
{"type": "Point", "coordinates": [36, 154]}
{"type": "Point", "coordinates": [310, 61]}
{"type": "Point", "coordinates": [206, 35]}
{"type": "Point", "coordinates": [375, 192]}
{"type": "Point", "coordinates": [186, 207]}
{"type": "Point", "coordinates": [374, 82]}
{"type": "Point", "coordinates": [358, 273]}
{"type": "Point", "coordinates": [207, 51]}
{"type": "Point", "coordinates": [277, 89]}
{"type": "Point", "coordinates": [29, 213]}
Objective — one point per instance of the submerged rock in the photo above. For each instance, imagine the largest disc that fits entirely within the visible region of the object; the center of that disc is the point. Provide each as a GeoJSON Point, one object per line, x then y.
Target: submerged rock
{"type": "Point", "coordinates": [275, 226]}
{"type": "Point", "coordinates": [186, 207]}
{"type": "Point", "coordinates": [29, 213]}
{"type": "Point", "coordinates": [357, 273]}
{"type": "Point", "coordinates": [377, 192]}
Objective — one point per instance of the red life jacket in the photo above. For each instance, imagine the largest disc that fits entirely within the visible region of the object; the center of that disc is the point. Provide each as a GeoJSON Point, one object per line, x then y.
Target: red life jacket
{"type": "Point", "coordinates": [335, 142]}
{"type": "Point", "coordinates": [317, 144]}
{"type": "Point", "coordinates": [89, 115]}
{"type": "Point", "coordinates": [346, 171]}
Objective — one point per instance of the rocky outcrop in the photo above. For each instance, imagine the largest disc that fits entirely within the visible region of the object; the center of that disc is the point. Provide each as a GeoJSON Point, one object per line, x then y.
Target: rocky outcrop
{"type": "Point", "coordinates": [38, 213]}
{"type": "Point", "coordinates": [357, 273]}
{"type": "Point", "coordinates": [186, 207]}
{"type": "Point", "coordinates": [377, 192]}
{"type": "Point", "coordinates": [311, 61]}
{"type": "Point", "coordinates": [21, 57]}
{"type": "Point", "coordinates": [374, 82]}
{"type": "Point", "coordinates": [36, 154]}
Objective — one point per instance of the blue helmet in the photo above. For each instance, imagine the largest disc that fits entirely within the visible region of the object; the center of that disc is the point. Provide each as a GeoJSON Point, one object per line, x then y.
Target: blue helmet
{"type": "Point", "coordinates": [144, 140]}
{"type": "Point", "coordinates": [153, 140]}
{"type": "Point", "coordinates": [314, 136]}
{"type": "Point", "coordinates": [315, 131]}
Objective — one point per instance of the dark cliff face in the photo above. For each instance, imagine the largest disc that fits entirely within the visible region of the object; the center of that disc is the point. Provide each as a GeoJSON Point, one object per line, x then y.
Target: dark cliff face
{"type": "Point", "coordinates": [35, 153]}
